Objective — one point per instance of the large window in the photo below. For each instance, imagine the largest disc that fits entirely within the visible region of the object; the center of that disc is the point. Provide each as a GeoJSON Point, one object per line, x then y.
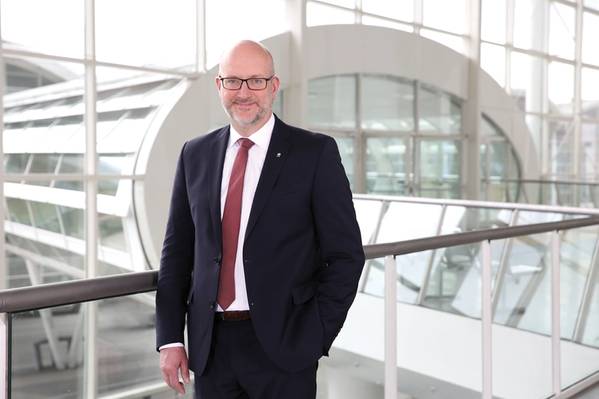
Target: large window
{"type": "Point", "coordinates": [406, 136]}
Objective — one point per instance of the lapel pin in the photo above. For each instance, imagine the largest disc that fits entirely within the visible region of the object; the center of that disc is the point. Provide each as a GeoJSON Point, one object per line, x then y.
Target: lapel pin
{"type": "Point", "coordinates": [278, 155]}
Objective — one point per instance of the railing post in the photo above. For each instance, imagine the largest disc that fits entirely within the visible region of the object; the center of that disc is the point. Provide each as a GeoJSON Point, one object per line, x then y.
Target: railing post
{"type": "Point", "coordinates": [390, 328]}
{"type": "Point", "coordinates": [555, 314]}
{"type": "Point", "coordinates": [487, 320]}
{"type": "Point", "coordinates": [5, 355]}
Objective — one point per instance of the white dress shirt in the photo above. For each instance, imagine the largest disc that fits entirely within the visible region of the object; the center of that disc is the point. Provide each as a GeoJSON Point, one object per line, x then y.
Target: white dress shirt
{"type": "Point", "coordinates": [256, 157]}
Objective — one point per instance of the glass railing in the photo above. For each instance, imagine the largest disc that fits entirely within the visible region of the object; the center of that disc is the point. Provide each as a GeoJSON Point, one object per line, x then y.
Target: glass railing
{"type": "Point", "coordinates": [55, 344]}
{"type": "Point", "coordinates": [544, 192]}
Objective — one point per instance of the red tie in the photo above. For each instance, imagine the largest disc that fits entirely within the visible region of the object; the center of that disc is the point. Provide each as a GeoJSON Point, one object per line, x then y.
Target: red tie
{"type": "Point", "coordinates": [230, 225]}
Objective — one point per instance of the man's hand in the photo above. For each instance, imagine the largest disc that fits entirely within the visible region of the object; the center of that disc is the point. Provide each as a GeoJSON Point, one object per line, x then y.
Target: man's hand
{"type": "Point", "coordinates": [171, 361]}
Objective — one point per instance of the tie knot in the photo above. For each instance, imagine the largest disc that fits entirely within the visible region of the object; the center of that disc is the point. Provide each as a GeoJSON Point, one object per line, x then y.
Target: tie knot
{"type": "Point", "coordinates": [245, 143]}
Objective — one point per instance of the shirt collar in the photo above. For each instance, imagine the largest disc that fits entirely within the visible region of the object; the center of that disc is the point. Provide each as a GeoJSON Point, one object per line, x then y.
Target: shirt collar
{"type": "Point", "coordinates": [261, 137]}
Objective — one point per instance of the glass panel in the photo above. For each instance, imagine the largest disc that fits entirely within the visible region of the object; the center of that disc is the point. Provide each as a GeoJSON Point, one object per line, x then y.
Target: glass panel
{"type": "Point", "coordinates": [446, 15]}
{"type": "Point", "coordinates": [529, 24]}
{"type": "Point", "coordinates": [16, 163]}
{"type": "Point", "coordinates": [592, 4]}
{"type": "Point", "coordinates": [590, 94]}
{"type": "Point", "coordinates": [493, 20]}
{"type": "Point", "coordinates": [411, 270]}
{"type": "Point", "coordinates": [386, 166]}
{"type": "Point", "coordinates": [459, 219]}
{"type": "Point", "coordinates": [44, 163]}
{"type": "Point", "coordinates": [561, 139]}
{"type": "Point", "coordinates": [111, 232]}
{"type": "Point", "coordinates": [438, 112]}
{"type": "Point", "coordinates": [49, 344]}
{"type": "Point", "coordinates": [332, 102]}
{"type": "Point", "coordinates": [73, 221]}
{"type": "Point", "coordinates": [346, 149]}
{"type": "Point", "coordinates": [523, 300]}
{"type": "Point", "coordinates": [454, 284]}
{"type": "Point", "coordinates": [561, 88]}
{"type": "Point", "coordinates": [367, 213]}
{"type": "Point", "coordinates": [31, 25]}
{"type": "Point", "coordinates": [562, 30]}
{"type": "Point", "coordinates": [492, 60]}
{"type": "Point", "coordinates": [590, 325]}
{"type": "Point", "coordinates": [342, 3]}
{"type": "Point", "coordinates": [576, 254]}
{"type": "Point", "coordinates": [439, 169]}
{"type": "Point", "coordinates": [527, 74]}
{"type": "Point", "coordinates": [590, 152]}
{"type": "Point", "coordinates": [114, 164]}
{"type": "Point", "coordinates": [385, 23]}
{"type": "Point", "coordinates": [123, 26]}
{"type": "Point", "coordinates": [387, 103]}
{"type": "Point", "coordinates": [320, 14]}
{"type": "Point", "coordinates": [18, 211]}
{"type": "Point", "coordinates": [423, 220]}
{"type": "Point", "coordinates": [46, 216]}
{"type": "Point", "coordinates": [402, 10]}
{"type": "Point", "coordinates": [590, 32]}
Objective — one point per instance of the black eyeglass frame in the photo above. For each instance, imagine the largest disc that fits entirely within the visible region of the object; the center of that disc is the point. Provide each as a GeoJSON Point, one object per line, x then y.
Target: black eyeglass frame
{"type": "Point", "coordinates": [221, 78]}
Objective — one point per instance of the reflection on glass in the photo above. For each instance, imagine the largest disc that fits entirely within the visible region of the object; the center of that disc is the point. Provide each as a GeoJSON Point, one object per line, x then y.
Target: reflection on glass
{"type": "Point", "coordinates": [46, 216]}
{"type": "Point", "coordinates": [346, 149]}
{"type": "Point", "coordinates": [454, 284]}
{"type": "Point", "coordinates": [49, 349]}
{"type": "Point", "coordinates": [387, 103]}
{"type": "Point", "coordinates": [73, 221]}
{"type": "Point", "coordinates": [440, 168]}
{"type": "Point", "coordinates": [386, 165]}
{"type": "Point", "coordinates": [590, 151]}
{"type": "Point", "coordinates": [438, 112]}
{"type": "Point", "coordinates": [111, 232]}
{"type": "Point", "coordinates": [16, 163]}
{"type": "Point", "coordinates": [18, 211]}
{"type": "Point", "coordinates": [561, 150]}
{"type": "Point", "coordinates": [332, 102]}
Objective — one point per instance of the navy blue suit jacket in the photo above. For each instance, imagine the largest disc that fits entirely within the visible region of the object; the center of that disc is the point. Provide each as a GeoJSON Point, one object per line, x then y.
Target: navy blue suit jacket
{"type": "Point", "coordinates": [302, 254]}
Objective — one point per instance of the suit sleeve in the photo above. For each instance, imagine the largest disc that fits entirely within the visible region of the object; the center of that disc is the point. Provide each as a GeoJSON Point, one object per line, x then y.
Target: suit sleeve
{"type": "Point", "coordinates": [339, 242]}
{"type": "Point", "coordinates": [176, 264]}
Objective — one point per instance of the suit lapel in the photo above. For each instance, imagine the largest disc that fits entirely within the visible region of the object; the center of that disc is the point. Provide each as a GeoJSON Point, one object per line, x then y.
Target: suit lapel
{"type": "Point", "coordinates": [275, 157]}
{"type": "Point", "coordinates": [217, 159]}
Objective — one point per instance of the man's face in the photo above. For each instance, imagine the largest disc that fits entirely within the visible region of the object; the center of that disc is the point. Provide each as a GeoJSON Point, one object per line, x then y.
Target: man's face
{"type": "Point", "coordinates": [247, 109]}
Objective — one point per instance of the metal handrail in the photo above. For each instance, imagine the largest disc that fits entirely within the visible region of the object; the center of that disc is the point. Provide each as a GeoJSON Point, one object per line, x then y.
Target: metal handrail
{"type": "Point", "coordinates": [481, 204]}
{"type": "Point", "coordinates": [64, 293]}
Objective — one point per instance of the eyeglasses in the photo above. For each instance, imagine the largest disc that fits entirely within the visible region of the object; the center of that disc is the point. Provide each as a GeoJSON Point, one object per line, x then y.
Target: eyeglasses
{"type": "Point", "coordinates": [252, 83]}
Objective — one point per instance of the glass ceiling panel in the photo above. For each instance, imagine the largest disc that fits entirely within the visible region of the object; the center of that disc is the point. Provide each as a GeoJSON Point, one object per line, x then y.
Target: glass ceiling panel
{"type": "Point", "coordinates": [32, 24]}
{"type": "Point", "coordinates": [133, 25]}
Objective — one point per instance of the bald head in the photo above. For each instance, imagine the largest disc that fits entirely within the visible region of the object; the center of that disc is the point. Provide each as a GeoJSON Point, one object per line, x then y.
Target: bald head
{"type": "Point", "coordinates": [248, 100]}
{"type": "Point", "coordinates": [245, 52]}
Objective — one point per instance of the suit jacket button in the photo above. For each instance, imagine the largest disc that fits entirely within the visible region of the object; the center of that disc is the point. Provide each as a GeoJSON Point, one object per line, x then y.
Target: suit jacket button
{"type": "Point", "coordinates": [212, 305]}
{"type": "Point", "coordinates": [246, 261]}
{"type": "Point", "coordinates": [216, 259]}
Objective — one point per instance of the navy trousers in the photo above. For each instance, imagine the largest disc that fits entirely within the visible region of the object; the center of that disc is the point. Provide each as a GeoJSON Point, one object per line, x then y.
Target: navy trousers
{"type": "Point", "coordinates": [238, 368]}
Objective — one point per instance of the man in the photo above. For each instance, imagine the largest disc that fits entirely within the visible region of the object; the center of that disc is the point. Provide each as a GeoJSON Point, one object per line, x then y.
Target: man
{"type": "Point", "coordinates": [262, 251]}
